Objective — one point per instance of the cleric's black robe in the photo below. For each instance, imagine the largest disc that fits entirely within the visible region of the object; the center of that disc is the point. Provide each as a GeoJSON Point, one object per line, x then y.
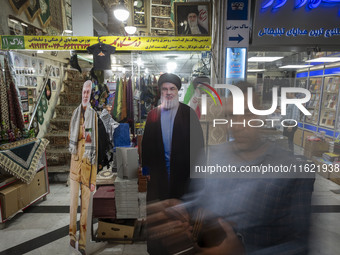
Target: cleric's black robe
{"type": "Point", "coordinates": [186, 125]}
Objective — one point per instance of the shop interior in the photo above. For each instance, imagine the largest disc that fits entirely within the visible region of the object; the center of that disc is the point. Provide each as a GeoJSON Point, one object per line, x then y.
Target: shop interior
{"type": "Point", "coordinates": [53, 114]}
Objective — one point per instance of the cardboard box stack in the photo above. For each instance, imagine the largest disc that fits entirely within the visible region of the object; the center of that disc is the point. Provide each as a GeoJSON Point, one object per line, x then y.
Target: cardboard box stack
{"type": "Point", "coordinates": [120, 232]}
{"type": "Point", "coordinates": [315, 147]}
{"type": "Point", "coordinates": [126, 198]}
{"type": "Point", "coordinates": [18, 195]}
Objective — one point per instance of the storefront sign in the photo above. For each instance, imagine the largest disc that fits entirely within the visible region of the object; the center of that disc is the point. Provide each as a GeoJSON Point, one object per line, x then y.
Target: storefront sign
{"type": "Point", "coordinates": [236, 40]}
{"type": "Point", "coordinates": [279, 23]}
{"type": "Point", "coordinates": [122, 43]}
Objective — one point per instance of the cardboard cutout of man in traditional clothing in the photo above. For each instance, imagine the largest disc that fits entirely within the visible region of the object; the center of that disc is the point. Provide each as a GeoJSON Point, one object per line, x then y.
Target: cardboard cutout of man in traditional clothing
{"type": "Point", "coordinates": [83, 169]}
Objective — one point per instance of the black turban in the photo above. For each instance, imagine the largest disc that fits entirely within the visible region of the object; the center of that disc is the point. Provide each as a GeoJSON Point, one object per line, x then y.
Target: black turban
{"type": "Point", "coordinates": [170, 77]}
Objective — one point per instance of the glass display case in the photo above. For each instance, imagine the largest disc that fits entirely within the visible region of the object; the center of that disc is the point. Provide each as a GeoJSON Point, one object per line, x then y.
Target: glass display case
{"type": "Point", "coordinates": [314, 103]}
{"type": "Point", "coordinates": [329, 102]}
{"type": "Point", "coordinates": [301, 83]}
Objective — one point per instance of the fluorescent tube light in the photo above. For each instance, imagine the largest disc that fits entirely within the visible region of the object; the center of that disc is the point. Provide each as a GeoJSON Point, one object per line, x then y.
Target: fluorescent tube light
{"type": "Point", "coordinates": [255, 70]}
{"type": "Point", "coordinates": [295, 66]}
{"type": "Point", "coordinates": [324, 59]}
{"type": "Point", "coordinates": [263, 59]}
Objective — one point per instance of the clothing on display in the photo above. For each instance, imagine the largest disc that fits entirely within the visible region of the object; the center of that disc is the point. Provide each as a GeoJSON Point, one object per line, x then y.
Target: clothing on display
{"type": "Point", "coordinates": [101, 55]}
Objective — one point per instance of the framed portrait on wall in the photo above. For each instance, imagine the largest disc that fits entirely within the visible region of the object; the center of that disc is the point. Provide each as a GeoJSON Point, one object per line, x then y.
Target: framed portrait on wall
{"type": "Point", "coordinates": [25, 106]}
{"type": "Point", "coordinates": [193, 19]}
{"type": "Point", "coordinates": [23, 93]}
{"type": "Point", "coordinates": [54, 85]}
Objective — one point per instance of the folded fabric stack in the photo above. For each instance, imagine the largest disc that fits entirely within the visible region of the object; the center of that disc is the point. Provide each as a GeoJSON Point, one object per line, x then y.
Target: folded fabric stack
{"type": "Point", "coordinates": [142, 204]}
{"type": "Point", "coordinates": [126, 198]}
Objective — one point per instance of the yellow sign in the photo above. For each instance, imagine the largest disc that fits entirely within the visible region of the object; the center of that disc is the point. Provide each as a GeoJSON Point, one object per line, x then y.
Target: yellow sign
{"type": "Point", "coordinates": [122, 43]}
{"type": "Point", "coordinates": [140, 125]}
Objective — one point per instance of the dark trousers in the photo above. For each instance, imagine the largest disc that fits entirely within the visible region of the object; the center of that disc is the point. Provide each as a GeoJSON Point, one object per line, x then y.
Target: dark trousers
{"type": "Point", "coordinates": [290, 135]}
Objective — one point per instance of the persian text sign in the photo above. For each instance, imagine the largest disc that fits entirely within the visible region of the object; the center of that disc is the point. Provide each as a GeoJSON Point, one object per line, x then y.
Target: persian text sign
{"type": "Point", "coordinates": [122, 43]}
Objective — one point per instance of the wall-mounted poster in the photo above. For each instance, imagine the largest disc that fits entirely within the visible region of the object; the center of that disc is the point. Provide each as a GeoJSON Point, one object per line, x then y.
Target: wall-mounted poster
{"type": "Point", "coordinates": [57, 71]}
{"type": "Point", "coordinates": [17, 61]}
{"type": "Point", "coordinates": [34, 66]}
{"type": "Point", "coordinates": [192, 18]}
{"type": "Point", "coordinates": [54, 85]}
{"type": "Point", "coordinates": [41, 67]}
{"type": "Point", "coordinates": [34, 81]}
{"type": "Point", "coordinates": [23, 93]}
{"type": "Point", "coordinates": [25, 106]}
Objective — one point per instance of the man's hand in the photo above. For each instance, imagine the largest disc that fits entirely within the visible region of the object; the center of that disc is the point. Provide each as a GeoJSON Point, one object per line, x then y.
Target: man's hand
{"type": "Point", "coordinates": [230, 246]}
{"type": "Point", "coordinates": [167, 218]}
{"type": "Point", "coordinates": [92, 187]}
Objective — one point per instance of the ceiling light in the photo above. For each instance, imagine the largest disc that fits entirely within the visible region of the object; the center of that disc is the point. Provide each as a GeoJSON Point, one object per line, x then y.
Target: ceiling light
{"type": "Point", "coordinates": [40, 51]}
{"type": "Point", "coordinates": [263, 59]}
{"type": "Point", "coordinates": [295, 66]}
{"type": "Point", "coordinates": [120, 12]}
{"type": "Point", "coordinates": [23, 24]}
{"type": "Point", "coordinates": [67, 31]}
{"type": "Point", "coordinates": [130, 29]}
{"type": "Point", "coordinates": [255, 70]}
{"type": "Point", "coordinates": [139, 62]}
{"type": "Point", "coordinates": [324, 59]}
{"type": "Point", "coordinates": [171, 66]}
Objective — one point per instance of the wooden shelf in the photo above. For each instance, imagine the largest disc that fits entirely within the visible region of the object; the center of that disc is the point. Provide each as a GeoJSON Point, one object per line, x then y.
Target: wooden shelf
{"type": "Point", "coordinates": [161, 5]}
{"type": "Point", "coordinates": [160, 28]}
{"type": "Point", "coordinates": [161, 17]}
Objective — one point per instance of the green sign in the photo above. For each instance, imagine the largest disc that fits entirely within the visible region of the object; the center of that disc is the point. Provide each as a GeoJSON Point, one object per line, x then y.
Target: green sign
{"type": "Point", "coordinates": [12, 42]}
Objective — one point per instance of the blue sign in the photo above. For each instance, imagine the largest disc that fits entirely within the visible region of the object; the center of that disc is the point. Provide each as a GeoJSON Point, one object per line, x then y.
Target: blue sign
{"type": "Point", "coordinates": [311, 4]}
{"type": "Point", "coordinates": [237, 10]}
{"type": "Point", "coordinates": [236, 38]}
{"type": "Point", "coordinates": [235, 64]}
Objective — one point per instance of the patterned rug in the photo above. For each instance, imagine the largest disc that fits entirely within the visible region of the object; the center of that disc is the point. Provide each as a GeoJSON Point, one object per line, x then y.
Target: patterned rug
{"type": "Point", "coordinates": [21, 158]}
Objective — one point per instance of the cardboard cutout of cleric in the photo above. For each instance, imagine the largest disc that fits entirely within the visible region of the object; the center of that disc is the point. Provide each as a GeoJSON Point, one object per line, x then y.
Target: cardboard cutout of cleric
{"type": "Point", "coordinates": [83, 147]}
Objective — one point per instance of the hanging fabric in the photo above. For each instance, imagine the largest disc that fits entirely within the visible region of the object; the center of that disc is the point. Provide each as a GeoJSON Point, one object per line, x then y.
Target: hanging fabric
{"type": "Point", "coordinates": [117, 107]}
{"type": "Point", "coordinates": [4, 118]}
{"type": "Point", "coordinates": [129, 106]}
{"type": "Point", "coordinates": [16, 118]}
{"type": "Point", "coordinates": [124, 113]}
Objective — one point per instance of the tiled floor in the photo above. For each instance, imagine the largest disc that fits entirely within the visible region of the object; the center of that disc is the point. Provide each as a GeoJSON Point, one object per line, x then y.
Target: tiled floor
{"type": "Point", "coordinates": [45, 231]}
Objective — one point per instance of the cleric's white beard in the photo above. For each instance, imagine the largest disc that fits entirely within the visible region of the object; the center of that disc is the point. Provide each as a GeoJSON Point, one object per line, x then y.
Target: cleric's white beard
{"type": "Point", "coordinates": [194, 27]}
{"type": "Point", "coordinates": [169, 104]}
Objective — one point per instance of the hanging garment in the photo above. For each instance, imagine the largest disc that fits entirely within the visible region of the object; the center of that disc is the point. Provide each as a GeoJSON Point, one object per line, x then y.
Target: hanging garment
{"type": "Point", "coordinates": [124, 113]}
{"type": "Point", "coordinates": [74, 62]}
{"type": "Point", "coordinates": [117, 107]}
{"type": "Point", "coordinates": [15, 115]}
{"type": "Point", "coordinates": [129, 107]}
{"type": "Point", "coordinates": [4, 118]}
{"type": "Point", "coordinates": [101, 55]}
